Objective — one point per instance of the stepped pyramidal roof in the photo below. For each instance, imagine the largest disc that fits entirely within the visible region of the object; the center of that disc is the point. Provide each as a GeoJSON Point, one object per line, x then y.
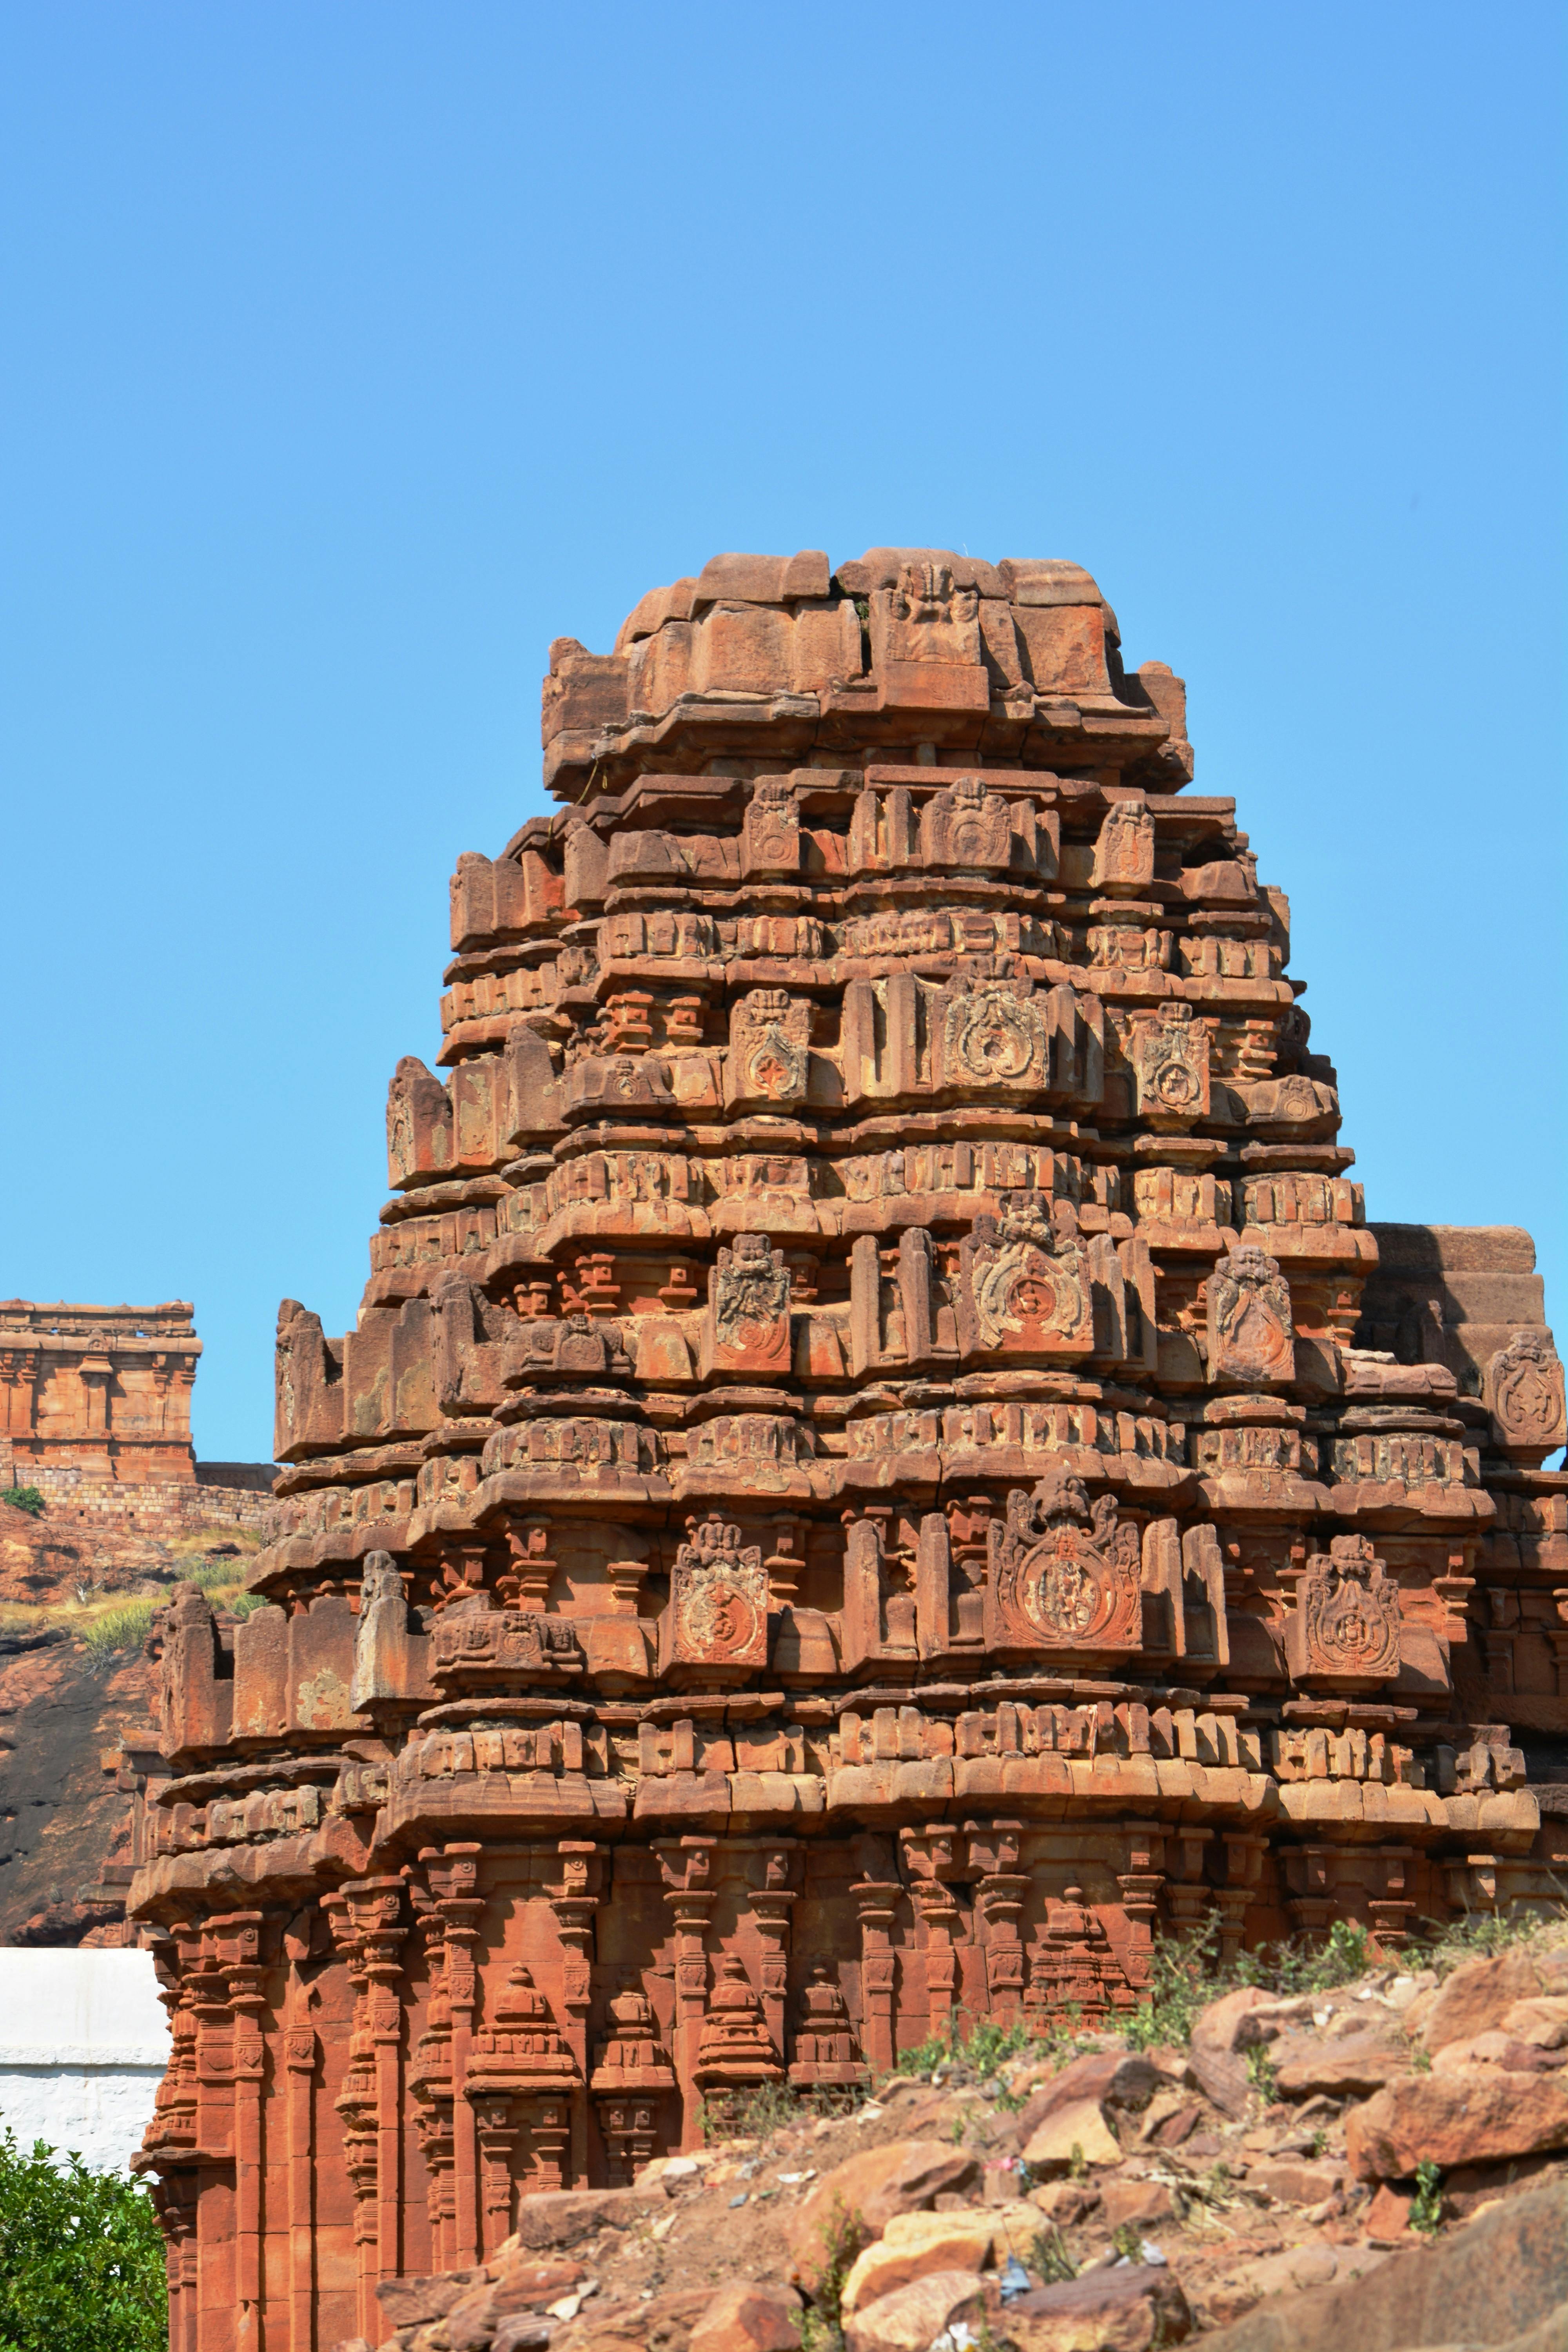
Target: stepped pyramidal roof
{"type": "Point", "coordinates": [881, 1463]}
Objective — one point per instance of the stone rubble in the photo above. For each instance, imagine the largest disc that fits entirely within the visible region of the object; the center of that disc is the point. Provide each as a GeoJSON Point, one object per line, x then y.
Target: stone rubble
{"type": "Point", "coordinates": [1268, 2229]}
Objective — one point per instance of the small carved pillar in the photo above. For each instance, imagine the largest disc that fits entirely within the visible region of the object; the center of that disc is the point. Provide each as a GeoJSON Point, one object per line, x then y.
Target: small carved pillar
{"type": "Point", "coordinates": [453, 1876]}
{"type": "Point", "coordinates": [1141, 1883]}
{"type": "Point", "coordinates": [356, 2104]}
{"type": "Point", "coordinates": [1393, 1910]}
{"type": "Point", "coordinates": [1236, 1860]}
{"type": "Point", "coordinates": [1188, 1896]}
{"type": "Point", "coordinates": [524, 1583]}
{"type": "Point", "coordinates": [237, 1941]}
{"type": "Point", "coordinates": [690, 1892]}
{"type": "Point", "coordinates": [1000, 1895]}
{"type": "Point", "coordinates": [771, 1906]}
{"type": "Point", "coordinates": [301, 2053]}
{"type": "Point", "coordinates": [877, 1901]}
{"type": "Point", "coordinates": [1310, 1873]}
{"type": "Point", "coordinates": [575, 1898]}
{"type": "Point", "coordinates": [937, 1911]}
{"type": "Point", "coordinates": [430, 2083]}
{"type": "Point", "coordinates": [375, 1908]}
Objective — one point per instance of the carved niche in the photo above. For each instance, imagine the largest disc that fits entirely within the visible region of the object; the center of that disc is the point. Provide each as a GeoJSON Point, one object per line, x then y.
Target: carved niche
{"type": "Point", "coordinates": [965, 828]}
{"type": "Point", "coordinates": [1343, 1631]}
{"type": "Point", "coordinates": [1125, 852]}
{"type": "Point", "coordinates": [1063, 1577]}
{"type": "Point", "coordinates": [631, 2084]}
{"type": "Point", "coordinates": [748, 1308]}
{"type": "Point", "coordinates": [825, 2050]}
{"type": "Point", "coordinates": [735, 2049]}
{"type": "Point", "coordinates": [771, 835]}
{"type": "Point", "coordinates": [475, 1645]}
{"type": "Point", "coordinates": [1171, 1064]}
{"type": "Point", "coordinates": [1022, 1286]}
{"type": "Point", "coordinates": [1522, 1386]}
{"type": "Point", "coordinates": [929, 619]}
{"type": "Point", "coordinates": [769, 1061]}
{"type": "Point", "coordinates": [1251, 1337]}
{"type": "Point", "coordinates": [994, 1033]}
{"type": "Point", "coordinates": [718, 1612]}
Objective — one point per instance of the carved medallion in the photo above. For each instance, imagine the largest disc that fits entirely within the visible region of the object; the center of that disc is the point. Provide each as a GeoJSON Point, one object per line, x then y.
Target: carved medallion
{"type": "Point", "coordinates": [1125, 852]}
{"type": "Point", "coordinates": [992, 1035]}
{"type": "Point", "coordinates": [966, 827]}
{"type": "Point", "coordinates": [718, 1611]}
{"type": "Point", "coordinates": [1523, 1389]}
{"type": "Point", "coordinates": [749, 1307]}
{"type": "Point", "coordinates": [1345, 1628]}
{"type": "Point", "coordinates": [770, 837]}
{"type": "Point", "coordinates": [768, 1061]}
{"type": "Point", "coordinates": [1251, 1337]}
{"type": "Point", "coordinates": [1170, 1056]}
{"type": "Point", "coordinates": [1062, 1576]}
{"type": "Point", "coordinates": [1023, 1290]}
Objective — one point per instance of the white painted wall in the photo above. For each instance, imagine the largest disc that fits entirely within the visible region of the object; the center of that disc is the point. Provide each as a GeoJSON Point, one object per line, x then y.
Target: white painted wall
{"type": "Point", "coordinates": [83, 2041]}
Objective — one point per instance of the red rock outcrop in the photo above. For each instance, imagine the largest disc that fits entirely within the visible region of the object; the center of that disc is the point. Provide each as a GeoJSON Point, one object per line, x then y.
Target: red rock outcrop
{"type": "Point", "coordinates": [863, 1482]}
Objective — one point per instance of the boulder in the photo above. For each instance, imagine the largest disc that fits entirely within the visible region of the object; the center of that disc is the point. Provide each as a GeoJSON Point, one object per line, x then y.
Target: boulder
{"type": "Point", "coordinates": [1351, 2067]}
{"type": "Point", "coordinates": [1133, 2309]}
{"type": "Point", "coordinates": [909, 2318]}
{"type": "Point", "coordinates": [745, 2317]}
{"type": "Point", "coordinates": [1487, 2285]}
{"type": "Point", "coordinates": [1472, 2114]}
{"type": "Point", "coordinates": [1292, 2181]}
{"type": "Point", "coordinates": [1145, 2202]}
{"type": "Point", "coordinates": [1542, 2020]}
{"type": "Point", "coordinates": [1113, 2079]}
{"type": "Point", "coordinates": [562, 2217]}
{"type": "Point", "coordinates": [528, 2283]}
{"type": "Point", "coordinates": [915, 2244]}
{"type": "Point", "coordinates": [522, 2331]}
{"type": "Point", "coordinates": [1073, 2135]}
{"type": "Point", "coordinates": [904, 2177]}
{"type": "Point", "coordinates": [415, 2301]}
{"type": "Point", "coordinates": [1478, 1996]}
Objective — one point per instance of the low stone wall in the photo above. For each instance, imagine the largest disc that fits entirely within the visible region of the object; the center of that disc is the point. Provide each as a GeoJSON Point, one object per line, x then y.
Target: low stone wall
{"type": "Point", "coordinates": [83, 2044]}
{"type": "Point", "coordinates": [162, 1509]}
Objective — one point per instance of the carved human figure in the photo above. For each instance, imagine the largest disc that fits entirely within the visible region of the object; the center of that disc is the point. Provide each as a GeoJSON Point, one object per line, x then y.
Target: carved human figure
{"type": "Point", "coordinates": [381, 1634]}
{"type": "Point", "coordinates": [1063, 1576]}
{"type": "Point", "coordinates": [1343, 1631]}
{"type": "Point", "coordinates": [1251, 1339]}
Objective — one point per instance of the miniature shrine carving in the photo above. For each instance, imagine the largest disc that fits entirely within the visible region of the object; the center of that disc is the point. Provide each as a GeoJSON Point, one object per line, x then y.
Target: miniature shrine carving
{"type": "Point", "coordinates": [879, 1466]}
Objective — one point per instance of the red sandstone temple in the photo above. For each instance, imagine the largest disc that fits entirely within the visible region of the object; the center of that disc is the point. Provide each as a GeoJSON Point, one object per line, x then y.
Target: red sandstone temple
{"type": "Point", "coordinates": [880, 1465]}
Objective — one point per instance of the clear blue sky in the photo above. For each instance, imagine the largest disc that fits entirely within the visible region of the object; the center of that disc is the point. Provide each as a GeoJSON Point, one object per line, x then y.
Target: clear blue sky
{"type": "Point", "coordinates": [352, 351]}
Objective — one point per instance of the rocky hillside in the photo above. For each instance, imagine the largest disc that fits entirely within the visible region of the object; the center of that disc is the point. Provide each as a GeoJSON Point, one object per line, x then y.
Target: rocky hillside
{"type": "Point", "coordinates": [1353, 2165]}
{"type": "Point", "coordinates": [78, 1589]}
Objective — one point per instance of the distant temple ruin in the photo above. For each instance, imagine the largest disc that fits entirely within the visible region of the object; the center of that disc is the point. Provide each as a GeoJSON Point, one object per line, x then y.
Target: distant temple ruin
{"type": "Point", "coordinates": [105, 1390]}
{"type": "Point", "coordinates": [880, 1463]}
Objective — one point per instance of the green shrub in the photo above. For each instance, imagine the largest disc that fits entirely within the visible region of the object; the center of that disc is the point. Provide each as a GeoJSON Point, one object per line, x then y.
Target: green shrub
{"type": "Point", "coordinates": [81, 2258]}
{"type": "Point", "coordinates": [117, 1630]}
{"type": "Point", "coordinates": [23, 1498]}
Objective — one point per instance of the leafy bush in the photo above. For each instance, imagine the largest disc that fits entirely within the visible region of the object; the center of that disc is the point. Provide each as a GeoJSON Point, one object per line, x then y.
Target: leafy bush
{"type": "Point", "coordinates": [81, 2258]}
{"type": "Point", "coordinates": [23, 1498]}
